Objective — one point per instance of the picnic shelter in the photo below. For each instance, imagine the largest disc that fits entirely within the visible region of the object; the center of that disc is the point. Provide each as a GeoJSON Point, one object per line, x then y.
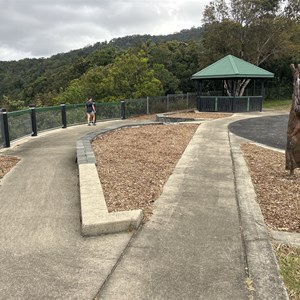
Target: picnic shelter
{"type": "Point", "coordinates": [231, 85]}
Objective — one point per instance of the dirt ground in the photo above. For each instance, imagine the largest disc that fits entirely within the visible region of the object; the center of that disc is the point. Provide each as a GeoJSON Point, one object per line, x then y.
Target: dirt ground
{"type": "Point", "coordinates": [134, 163]}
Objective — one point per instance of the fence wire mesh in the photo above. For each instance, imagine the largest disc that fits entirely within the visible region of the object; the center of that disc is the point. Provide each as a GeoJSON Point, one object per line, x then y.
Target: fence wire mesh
{"type": "Point", "coordinates": [20, 122]}
{"type": "Point", "coordinates": [1, 134]}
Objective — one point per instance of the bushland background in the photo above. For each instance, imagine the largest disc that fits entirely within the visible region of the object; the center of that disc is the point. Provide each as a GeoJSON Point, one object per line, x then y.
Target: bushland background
{"type": "Point", "coordinates": [264, 33]}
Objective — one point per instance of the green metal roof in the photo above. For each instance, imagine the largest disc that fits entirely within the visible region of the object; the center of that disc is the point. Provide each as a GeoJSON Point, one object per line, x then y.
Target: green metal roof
{"type": "Point", "coordinates": [232, 67]}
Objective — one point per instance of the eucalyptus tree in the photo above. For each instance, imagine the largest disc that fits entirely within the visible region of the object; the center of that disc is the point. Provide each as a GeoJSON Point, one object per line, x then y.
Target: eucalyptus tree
{"type": "Point", "coordinates": [254, 30]}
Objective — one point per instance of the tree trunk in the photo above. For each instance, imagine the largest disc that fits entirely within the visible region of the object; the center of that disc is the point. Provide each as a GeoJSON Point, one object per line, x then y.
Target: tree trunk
{"type": "Point", "coordinates": [240, 87]}
{"type": "Point", "coordinates": [292, 153]}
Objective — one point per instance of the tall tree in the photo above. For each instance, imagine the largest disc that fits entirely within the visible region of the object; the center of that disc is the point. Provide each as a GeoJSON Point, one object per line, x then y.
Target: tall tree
{"type": "Point", "coordinates": [181, 59]}
{"type": "Point", "coordinates": [254, 30]}
{"type": "Point", "coordinates": [169, 82]}
{"type": "Point", "coordinates": [129, 76]}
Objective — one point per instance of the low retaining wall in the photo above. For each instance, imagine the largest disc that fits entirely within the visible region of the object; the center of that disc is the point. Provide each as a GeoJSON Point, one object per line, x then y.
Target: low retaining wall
{"type": "Point", "coordinates": [169, 119]}
{"type": "Point", "coordinates": [95, 218]}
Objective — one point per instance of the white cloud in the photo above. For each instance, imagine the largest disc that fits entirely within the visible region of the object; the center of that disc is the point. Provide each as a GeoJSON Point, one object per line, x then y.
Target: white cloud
{"type": "Point", "coordinates": [41, 28]}
{"type": "Point", "coordinates": [13, 54]}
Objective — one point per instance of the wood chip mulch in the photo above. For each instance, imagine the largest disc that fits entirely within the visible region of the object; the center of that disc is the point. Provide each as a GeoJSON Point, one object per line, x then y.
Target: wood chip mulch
{"type": "Point", "coordinates": [6, 164]}
{"type": "Point", "coordinates": [278, 194]}
{"type": "Point", "coordinates": [134, 163]}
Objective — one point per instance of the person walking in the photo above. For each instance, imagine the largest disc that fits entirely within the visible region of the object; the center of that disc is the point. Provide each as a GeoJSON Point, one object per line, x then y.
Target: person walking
{"type": "Point", "coordinates": [90, 111]}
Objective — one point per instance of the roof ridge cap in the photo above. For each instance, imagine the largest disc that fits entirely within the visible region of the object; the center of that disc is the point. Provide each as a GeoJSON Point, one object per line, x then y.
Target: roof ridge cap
{"type": "Point", "coordinates": [235, 69]}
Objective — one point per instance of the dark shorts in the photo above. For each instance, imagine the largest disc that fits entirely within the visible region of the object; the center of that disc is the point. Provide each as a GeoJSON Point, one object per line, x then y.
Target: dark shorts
{"type": "Point", "coordinates": [90, 113]}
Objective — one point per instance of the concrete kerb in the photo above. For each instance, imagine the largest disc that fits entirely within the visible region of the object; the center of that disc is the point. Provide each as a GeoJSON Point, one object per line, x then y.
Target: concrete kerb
{"type": "Point", "coordinates": [167, 118]}
{"type": "Point", "coordinates": [95, 218]}
{"type": "Point", "coordinates": [262, 264]}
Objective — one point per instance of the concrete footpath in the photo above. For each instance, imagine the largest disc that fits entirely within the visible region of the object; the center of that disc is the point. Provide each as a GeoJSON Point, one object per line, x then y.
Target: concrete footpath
{"type": "Point", "coordinates": [206, 239]}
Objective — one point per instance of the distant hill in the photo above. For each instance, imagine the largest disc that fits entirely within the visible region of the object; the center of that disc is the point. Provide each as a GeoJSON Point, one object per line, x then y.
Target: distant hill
{"type": "Point", "coordinates": [36, 80]}
{"type": "Point", "coordinates": [129, 41]}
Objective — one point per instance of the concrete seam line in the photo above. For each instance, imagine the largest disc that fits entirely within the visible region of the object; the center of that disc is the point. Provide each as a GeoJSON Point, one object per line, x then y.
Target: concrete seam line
{"type": "Point", "coordinates": [261, 260]}
{"type": "Point", "coordinates": [238, 204]}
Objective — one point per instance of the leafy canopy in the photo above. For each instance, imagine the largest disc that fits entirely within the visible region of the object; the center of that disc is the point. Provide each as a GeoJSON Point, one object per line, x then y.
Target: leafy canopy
{"type": "Point", "coordinates": [128, 77]}
{"type": "Point", "coordinates": [254, 30]}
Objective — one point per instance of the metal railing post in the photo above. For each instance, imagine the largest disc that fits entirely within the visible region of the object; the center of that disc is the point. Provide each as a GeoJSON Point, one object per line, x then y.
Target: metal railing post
{"type": "Point", "coordinates": [187, 100]}
{"type": "Point", "coordinates": [33, 120]}
{"type": "Point", "coordinates": [123, 114]}
{"type": "Point", "coordinates": [4, 126]}
{"type": "Point", "coordinates": [168, 102]}
{"type": "Point", "coordinates": [63, 115]}
{"type": "Point", "coordinates": [95, 111]}
{"type": "Point", "coordinates": [147, 105]}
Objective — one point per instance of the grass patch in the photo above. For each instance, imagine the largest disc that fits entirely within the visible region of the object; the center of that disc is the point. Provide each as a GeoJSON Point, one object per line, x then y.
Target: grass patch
{"type": "Point", "coordinates": [277, 104]}
{"type": "Point", "coordinates": [289, 262]}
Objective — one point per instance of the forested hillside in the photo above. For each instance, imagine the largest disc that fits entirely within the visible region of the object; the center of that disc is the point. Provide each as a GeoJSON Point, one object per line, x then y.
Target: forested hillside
{"type": "Point", "coordinates": [261, 32]}
{"type": "Point", "coordinates": [40, 81]}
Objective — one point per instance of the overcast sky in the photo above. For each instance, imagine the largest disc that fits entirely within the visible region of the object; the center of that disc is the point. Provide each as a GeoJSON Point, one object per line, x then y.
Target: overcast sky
{"type": "Point", "coordinates": [41, 28]}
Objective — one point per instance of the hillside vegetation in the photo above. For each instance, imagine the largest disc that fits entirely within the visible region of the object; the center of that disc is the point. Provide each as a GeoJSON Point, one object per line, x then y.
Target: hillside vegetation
{"type": "Point", "coordinates": [261, 32]}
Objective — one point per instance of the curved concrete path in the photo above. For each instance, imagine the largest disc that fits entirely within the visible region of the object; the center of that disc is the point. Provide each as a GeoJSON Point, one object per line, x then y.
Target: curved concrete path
{"type": "Point", "coordinates": [42, 252]}
{"type": "Point", "coordinates": [206, 237]}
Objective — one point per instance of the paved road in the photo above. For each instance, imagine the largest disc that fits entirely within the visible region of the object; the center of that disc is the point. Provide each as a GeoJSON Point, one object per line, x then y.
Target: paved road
{"type": "Point", "coordinates": [270, 130]}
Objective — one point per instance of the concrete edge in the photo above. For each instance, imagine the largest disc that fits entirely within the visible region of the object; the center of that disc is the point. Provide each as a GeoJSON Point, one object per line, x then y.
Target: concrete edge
{"type": "Point", "coordinates": [262, 264]}
{"type": "Point", "coordinates": [95, 218]}
{"type": "Point", "coordinates": [166, 119]}
{"type": "Point", "coordinates": [279, 237]}
{"type": "Point", "coordinates": [282, 237]}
